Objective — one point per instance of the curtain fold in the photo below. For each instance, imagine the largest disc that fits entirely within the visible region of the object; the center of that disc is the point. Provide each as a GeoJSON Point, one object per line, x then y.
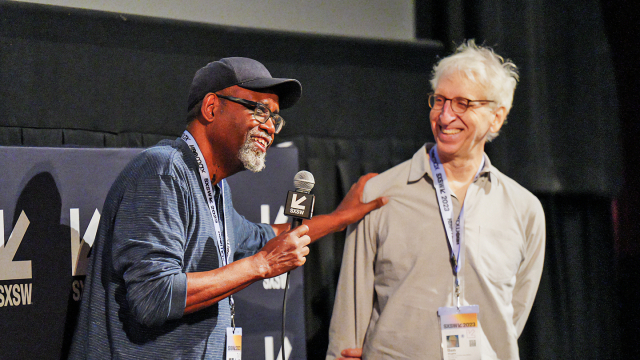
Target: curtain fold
{"type": "Point", "coordinates": [576, 312]}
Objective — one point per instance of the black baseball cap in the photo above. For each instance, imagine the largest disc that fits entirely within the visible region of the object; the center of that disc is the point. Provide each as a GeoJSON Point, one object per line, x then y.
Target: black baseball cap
{"type": "Point", "coordinates": [246, 73]}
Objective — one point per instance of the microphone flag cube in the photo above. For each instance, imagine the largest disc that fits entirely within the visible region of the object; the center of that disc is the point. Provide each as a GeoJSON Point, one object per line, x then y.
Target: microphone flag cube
{"type": "Point", "coordinates": [299, 205]}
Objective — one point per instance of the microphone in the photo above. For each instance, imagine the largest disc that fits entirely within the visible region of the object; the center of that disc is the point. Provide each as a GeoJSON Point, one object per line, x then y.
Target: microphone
{"type": "Point", "coordinates": [300, 203]}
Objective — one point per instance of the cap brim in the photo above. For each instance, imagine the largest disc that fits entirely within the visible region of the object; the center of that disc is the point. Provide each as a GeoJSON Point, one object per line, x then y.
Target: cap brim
{"type": "Point", "coordinates": [288, 90]}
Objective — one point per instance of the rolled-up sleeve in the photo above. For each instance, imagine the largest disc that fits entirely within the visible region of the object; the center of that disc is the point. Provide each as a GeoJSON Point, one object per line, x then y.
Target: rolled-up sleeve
{"type": "Point", "coordinates": [148, 249]}
{"type": "Point", "coordinates": [251, 236]}
{"type": "Point", "coordinates": [247, 236]}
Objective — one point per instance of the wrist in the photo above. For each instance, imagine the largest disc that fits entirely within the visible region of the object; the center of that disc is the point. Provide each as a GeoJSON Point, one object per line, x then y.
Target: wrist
{"type": "Point", "coordinates": [340, 220]}
{"type": "Point", "coordinates": [260, 265]}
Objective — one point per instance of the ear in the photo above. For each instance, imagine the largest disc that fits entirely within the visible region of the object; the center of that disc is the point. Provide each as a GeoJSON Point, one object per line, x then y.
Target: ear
{"type": "Point", "coordinates": [209, 104]}
{"type": "Point", "coordinates": [498, 119]}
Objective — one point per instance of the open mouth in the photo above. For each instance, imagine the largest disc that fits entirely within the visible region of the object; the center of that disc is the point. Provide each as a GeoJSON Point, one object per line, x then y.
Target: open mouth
{"type": "Point", "coordinates": [262, 142]}
{"type": "Point", "coordinates": [450, 131]}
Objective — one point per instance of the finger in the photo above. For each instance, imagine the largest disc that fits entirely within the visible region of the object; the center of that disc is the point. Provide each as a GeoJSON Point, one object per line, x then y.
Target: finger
{"type": "Point", "coordinates": [352, 352]}
{"type": "Point", "coordinates": [300, 230]}
{"type": "Point", "coordinates": [377, 203]}
{"type": "Point", "coordinates": [366, 177]}
{"type": "Point", "coordinates": [304, 240]}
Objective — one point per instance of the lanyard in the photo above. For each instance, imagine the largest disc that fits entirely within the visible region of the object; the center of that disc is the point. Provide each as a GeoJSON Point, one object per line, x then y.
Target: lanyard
{"type": "Point", "coordinates": [454, 232]}
{"type": "Point", "coordinates": [224, 248]}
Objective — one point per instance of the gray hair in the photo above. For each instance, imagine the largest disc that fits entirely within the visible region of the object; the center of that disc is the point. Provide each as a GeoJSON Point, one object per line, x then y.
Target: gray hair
{"type": "Point", "coordinates": [481, 65]}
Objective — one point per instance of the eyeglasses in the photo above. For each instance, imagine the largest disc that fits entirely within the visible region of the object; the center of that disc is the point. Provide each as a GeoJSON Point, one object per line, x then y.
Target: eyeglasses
{"type": "Point", "coordinates": [261, 112]}
{"type": "Point", "coordinates": [458, 104]}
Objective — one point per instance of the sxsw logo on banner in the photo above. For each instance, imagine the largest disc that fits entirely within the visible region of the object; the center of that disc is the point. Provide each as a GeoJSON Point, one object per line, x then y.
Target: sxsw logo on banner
{"type": "Point", "coordinates": [18, 294]}
{"type": "Point", "coordinates": [14, 294]}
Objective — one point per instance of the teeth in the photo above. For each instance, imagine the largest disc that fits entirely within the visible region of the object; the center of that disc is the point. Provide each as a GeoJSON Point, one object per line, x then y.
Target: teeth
{"type": "Point", "coordinates": [451, 131]}
{"type": "Point", "coordinates": [261, 141]}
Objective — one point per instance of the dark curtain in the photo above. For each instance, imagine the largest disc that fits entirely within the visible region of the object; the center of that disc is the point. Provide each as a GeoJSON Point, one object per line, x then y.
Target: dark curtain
{"type": "Point", "coordinates": [623, 25]}
{"type": "Point", "coordinates": [72, 77]}
{"type": "Point", "coordinates": [563, 128]}
{"type": "Point", "coordinates": [575, 315]}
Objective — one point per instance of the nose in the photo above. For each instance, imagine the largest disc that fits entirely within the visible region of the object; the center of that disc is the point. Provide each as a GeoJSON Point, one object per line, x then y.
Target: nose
{"type": "Point", "coordinates": [269, 126]}
{"type": "Point", "coordinates": [446, 114]}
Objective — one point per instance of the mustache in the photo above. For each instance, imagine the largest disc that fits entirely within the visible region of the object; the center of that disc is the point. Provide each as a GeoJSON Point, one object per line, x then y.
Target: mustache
{"type": "Point", "coordinates": [256, 131]}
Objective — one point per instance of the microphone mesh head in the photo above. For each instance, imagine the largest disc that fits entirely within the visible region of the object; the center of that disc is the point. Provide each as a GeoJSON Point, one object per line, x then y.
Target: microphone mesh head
{"type": "Point", "coordinates": [303, 181]}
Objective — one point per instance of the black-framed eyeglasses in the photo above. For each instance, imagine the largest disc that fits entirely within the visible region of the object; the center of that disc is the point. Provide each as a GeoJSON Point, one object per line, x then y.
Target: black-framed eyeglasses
{"type": "Point", "coordinates": [458, 104]}
{"type": "Point", "coordinates": [260, 111]}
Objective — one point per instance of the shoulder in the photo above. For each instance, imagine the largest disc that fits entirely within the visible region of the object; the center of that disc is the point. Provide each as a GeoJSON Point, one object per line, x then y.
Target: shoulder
{"type": "Point", "coordinates": [165, 154]}
{"type": "Point", "coordinates": [384, 183]}
{"type": "Point", "coordinates": [164, 158]}
{"type": "Point", "coordinates": [394, 181]}
{"type": "Point", "coordinates": [522, 198]}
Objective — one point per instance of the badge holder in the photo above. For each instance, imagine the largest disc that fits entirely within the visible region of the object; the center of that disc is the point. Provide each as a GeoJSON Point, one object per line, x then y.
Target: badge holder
{"type": "Point", "coordinates": [460, 333]}
{"type": "Point", "coordinates": [234, 339]}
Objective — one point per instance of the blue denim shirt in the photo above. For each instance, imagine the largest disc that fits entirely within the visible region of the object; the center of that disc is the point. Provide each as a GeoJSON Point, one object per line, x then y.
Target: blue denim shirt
{"type": "Point", "coordinates": [155, 228]}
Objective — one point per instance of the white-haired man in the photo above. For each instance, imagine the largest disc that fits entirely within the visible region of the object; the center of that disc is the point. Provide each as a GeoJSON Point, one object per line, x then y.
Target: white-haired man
{"type": "Point", "coordinates": [459, 248]}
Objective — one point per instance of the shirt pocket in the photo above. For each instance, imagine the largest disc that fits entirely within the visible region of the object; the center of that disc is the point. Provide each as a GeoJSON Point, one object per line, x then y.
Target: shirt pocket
{"type": "Point", "coordinates": [500, 253]}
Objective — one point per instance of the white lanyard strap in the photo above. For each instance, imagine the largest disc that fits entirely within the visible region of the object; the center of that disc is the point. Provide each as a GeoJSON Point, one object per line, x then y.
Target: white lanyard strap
{"type": "Point", "coordinates": [223, 244]}
{"type": "Point", "coordinates": [455, 234]}
{"type": "Point", "coordinates": [224, 248]}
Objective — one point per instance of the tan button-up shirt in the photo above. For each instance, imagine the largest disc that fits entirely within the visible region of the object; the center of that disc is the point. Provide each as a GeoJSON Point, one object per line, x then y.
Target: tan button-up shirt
{"type": "Point", "coordinates": [396, 270]}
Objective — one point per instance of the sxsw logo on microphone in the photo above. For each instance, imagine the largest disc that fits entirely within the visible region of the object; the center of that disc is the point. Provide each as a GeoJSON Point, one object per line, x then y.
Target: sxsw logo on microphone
{"type": "Point", "coordinates": [299, 205]}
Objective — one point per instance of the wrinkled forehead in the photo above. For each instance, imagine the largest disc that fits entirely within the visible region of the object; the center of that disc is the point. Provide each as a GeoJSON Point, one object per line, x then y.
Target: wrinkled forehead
{"type": "Point", "coordinates": [464, 83]}
{"type": "Point", "coordinates": [468, 74]}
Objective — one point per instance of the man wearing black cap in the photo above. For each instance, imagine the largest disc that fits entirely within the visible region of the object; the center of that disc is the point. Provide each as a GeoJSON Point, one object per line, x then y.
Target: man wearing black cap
{"type": "Point", "coordinates": [171, 250]}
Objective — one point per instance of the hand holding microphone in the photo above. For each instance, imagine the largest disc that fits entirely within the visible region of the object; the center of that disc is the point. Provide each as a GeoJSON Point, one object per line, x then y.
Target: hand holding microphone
{"type": "Point", "coordinates": [288, 250]}
{"type": "Point", "coordinates": [285, 252]}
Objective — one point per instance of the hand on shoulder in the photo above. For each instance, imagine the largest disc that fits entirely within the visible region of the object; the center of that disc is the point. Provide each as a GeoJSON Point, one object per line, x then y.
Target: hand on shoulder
{"type": "Point", "coordinates": [352, 209]}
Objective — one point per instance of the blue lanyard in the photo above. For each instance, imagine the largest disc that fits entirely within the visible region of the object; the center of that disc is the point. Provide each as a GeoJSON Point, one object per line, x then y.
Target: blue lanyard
{"type": "Point", "coordinates": [454, 231]}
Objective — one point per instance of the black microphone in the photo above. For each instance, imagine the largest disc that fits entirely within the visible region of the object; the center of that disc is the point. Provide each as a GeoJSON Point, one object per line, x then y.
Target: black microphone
{"type": "Point", "coordinates": [300, 203]}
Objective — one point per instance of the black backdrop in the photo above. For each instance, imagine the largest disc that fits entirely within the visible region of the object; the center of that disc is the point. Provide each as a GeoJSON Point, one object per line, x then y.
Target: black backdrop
{"type": "Point", "coordinates": [72, 77]}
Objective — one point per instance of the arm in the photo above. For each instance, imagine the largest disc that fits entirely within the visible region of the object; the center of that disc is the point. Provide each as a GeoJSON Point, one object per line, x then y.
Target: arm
{"type": "Point", "coordinates": [355, 294]}
{"type": "Point", "coordinates": [147, 249]}
{"type": "Point", "coordinates": [350, 210]}
{"type": "Point", "coordinates": [530, 271]}
{"type": "Point", "coordinates": [283, 253]}
{"type": "Point", "coordinates": [150, 238]}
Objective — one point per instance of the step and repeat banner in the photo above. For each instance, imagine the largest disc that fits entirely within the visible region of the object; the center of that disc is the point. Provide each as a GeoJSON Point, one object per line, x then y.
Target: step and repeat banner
{"type": "Point", "coordinates": [50, 205]}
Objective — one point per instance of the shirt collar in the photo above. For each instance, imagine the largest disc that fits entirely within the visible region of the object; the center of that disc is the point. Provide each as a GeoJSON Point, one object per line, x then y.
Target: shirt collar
{"type": "Point", "coordinates": [420, 165]}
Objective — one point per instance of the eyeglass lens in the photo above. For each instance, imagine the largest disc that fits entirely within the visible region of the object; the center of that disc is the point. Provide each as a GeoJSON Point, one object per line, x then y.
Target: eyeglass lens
{"type": "Point", "coordinates": [458, 104]}
{"type": "Point", "coordinates": [262, 114]}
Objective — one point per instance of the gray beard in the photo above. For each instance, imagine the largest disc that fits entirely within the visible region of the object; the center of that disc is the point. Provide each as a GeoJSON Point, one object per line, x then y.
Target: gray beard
{"type": "Point", "coordinates": [252, 159]}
